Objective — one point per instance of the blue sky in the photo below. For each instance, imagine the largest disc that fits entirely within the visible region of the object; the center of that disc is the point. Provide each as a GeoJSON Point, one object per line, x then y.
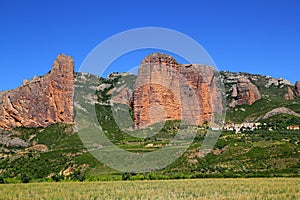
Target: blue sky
{"type": "Point", "coordinates": [254, 36]}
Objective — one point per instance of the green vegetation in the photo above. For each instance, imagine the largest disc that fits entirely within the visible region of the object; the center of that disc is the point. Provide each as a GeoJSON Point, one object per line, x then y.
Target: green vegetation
{"type": "Point", "coordinates": [26, 165]}
{"type": "Point", "coordinates": [258, 153]}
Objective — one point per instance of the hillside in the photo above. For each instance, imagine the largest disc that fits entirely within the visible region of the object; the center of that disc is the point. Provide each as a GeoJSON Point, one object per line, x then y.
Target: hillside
{"type": "Point", "coordinates": [56, 152]}
{"type": "Point", "coordinates": [272, 92]}
{"type": "Point", "coordinates": [247, 154]}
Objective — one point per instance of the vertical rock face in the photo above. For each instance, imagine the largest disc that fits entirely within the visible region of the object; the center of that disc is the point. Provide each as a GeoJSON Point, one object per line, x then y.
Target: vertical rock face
{"type": "Point", "coordinates": [297, 89]}
{"type": "Point", "coordinates": [166, 90]}
{"type": "Point", "coordinates": [289, 95]}
{"type": "Point", "coordinates": [42, 101]}
{"type": "Point", "coordinates": [244, 92]}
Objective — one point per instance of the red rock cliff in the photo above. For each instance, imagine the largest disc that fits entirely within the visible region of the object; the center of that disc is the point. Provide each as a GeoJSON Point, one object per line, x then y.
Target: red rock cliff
{"type": "Point", "coordinates": [164, 89]}
{"type": "Point", "coordinates": [244, 92]}
{"type": "Point", "coordinates": [42, 101]}
{"type": "Point", "coordinates": [297, 89]}
{"type": "Point", "coordinates": [289, 95]}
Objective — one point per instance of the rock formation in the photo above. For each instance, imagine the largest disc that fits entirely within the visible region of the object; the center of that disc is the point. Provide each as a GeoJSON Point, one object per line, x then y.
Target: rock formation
{"type": "Point", "coordinates": [277, 82]}
{"type": "Point", "coordinates": [297, 89]}
{"type": "Point", "coordinates": [125, 96]}
{"type": "Point", "coordinates": [122, 92]}
{"type": "Point", "coordinates": [244, 92]}
{"type": "Point", "coordinates": [280, 110]}
{"type": "Point", "coordinates": [6, 139]}
{"type": "Point", "coordinates": [289, 95]}
{"type": "Point", "coordinates": [166, 90]}
{"type": "Point", "coordinates": [42, 101]}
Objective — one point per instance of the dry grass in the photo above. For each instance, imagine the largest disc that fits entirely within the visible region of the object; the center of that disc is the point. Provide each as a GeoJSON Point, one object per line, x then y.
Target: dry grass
{"type": "Point", "coordinates": [256, 188]}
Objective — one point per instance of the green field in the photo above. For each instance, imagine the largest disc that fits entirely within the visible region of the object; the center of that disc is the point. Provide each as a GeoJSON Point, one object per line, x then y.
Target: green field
{"type": "Point", "coordinates": [252, 188]}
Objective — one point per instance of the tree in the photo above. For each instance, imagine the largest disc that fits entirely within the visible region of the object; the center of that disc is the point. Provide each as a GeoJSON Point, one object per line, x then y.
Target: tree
{"type": "Point", "coordinates": [126, 176]}
{"type": "Point", "coordinates": [2, 181]}
{"type": "Point", "coordinates": [25, 178]}
{"type": "Point", "coordinates": [56, 177]}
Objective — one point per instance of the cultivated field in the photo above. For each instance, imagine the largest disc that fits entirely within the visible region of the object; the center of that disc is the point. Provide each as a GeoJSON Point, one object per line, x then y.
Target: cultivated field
{"type": "Point", "coordinates": [252, 188]}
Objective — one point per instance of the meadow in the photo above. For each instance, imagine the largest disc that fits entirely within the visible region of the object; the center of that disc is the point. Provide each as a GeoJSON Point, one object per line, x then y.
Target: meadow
{"type": "Point", "coordinates": [251, 188]}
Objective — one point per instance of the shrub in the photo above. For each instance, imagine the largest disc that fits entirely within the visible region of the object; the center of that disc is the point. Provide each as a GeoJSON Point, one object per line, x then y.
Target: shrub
{"type": "Point", "coordinates": [2, 181]}
{"type": "Point", "coordinates": [152, 176]}
{"type": "Point", "coordinates": [81, 177]}
{"type": "Point", "coordinates": [56, 177]}
{"type": "Point", "coordinates": [137, 177]}
{"type": "Point", "coordinates": [180, 176]}
{"type": "Point", "coordinates": [25, 178]}
{"type": "Point", "coordinates": [78, 175]}
{"type": "Point", "coordinates": [126, 176]}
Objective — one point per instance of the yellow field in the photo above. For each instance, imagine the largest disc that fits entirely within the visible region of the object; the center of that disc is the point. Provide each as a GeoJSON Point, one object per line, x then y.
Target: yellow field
{"type": "Point", "coordinates": [256, 188]}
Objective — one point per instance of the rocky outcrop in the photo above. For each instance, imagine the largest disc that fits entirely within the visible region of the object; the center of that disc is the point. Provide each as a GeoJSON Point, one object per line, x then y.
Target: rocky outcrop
{"type": "Point", "coordinates": [6, 139]}
{"type": "Point", "coordinates": [166, 90]}
{"type": "Point", "coordinates": [297, 89]}
{"type": "Point", "coordinates": [37, 148]}
{"type": "Point", "coordinates": [279, 82]}
{"type": "Point", "coordinates": [122, 93]}
{"type": "Point", "coordinates": [124, 96]}
{"type": "Point", "coordinates": [42, 101]}
{"type": "Point", "coordinates": [281, 110]}
{"type": "Point", "coordinates": [244, 92]}
{"type": "Point", "coordinates": [292, 93]}
{"type": "Point", "coordinates": [289, 95]}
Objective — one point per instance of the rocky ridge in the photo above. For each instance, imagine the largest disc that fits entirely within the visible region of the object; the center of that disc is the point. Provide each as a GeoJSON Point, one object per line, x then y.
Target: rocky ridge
{"type": "Point", "coordinates": [281, 110]}
{"type": "Point", "coordinates": [162, 88]}
{"type": "Point", "coordinates": [41, 101]}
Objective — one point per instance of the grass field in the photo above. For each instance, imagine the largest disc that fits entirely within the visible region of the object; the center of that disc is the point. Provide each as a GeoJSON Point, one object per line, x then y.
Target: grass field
{"type": "Point", "coordinates": [252, 188]}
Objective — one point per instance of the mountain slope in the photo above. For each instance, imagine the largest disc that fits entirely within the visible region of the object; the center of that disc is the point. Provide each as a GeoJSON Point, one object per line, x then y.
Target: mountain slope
{"type": "Point", "coordinates": [56, 152]}
{"type": "Point", "coordinates": [272, 93]}
{"type": "Point", "coordinates": [247, 154]}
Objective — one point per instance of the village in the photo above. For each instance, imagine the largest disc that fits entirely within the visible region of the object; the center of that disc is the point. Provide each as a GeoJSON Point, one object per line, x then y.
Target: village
{"type": "Point", "coordinates": [238, 128]}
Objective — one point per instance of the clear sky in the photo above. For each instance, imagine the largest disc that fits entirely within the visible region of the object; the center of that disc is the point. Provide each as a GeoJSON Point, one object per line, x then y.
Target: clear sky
{"type": "Point", "coordinates": [256, 36]}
